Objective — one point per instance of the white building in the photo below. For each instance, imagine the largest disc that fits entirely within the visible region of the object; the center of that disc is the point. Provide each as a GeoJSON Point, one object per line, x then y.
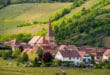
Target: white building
{"type": "Point", "coordinates": [69, 55]}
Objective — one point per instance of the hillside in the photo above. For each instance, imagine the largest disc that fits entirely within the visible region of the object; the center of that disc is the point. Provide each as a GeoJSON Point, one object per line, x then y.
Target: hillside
{"type": "Point", "coordinates": [81, 22]}
{"type": "Point", "coordinates": [18, 18]}
{"type": "Point", "coordinates": [87, 24]}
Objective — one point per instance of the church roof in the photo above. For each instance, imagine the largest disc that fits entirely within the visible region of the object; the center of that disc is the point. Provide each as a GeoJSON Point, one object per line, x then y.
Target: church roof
{"type": "Point", "coordinates": [38, 40]}
{"type": "Point", "coordinates": [34, 39]}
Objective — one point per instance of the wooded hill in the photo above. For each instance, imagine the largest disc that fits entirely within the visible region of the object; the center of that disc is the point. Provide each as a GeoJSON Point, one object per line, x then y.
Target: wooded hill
{"type": "Point", "coordinates": [86, 24]}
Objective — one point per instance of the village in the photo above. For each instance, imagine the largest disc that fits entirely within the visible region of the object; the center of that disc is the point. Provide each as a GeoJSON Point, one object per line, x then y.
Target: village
{"type": "Point", "coordinates": [71, 54]}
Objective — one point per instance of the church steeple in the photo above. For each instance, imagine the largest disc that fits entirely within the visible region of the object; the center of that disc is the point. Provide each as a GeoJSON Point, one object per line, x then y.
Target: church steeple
{"type": "Point", "coordinates": [50, 34]}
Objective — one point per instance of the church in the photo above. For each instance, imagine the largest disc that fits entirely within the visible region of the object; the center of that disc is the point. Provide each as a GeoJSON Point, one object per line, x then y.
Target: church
{"type": "Point", "coordinates": [47, 43]}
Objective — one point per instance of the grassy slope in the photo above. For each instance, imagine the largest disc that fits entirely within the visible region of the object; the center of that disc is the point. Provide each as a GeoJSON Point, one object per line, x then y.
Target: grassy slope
{"type": "Point", "coordinates": [14, 15]}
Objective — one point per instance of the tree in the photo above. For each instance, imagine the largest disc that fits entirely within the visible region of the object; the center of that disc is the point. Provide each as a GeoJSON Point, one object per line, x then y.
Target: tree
{"type": "Point", "coordinates": [47, 57]}
{"type": "Point", "coordinates": [40, 53]}
{"type": "Point", "coordinates": [24, 57]}
{"type": "Point", "coordinates": [16, 53]}
{"type": "Point", "coordinates": [32, 55]}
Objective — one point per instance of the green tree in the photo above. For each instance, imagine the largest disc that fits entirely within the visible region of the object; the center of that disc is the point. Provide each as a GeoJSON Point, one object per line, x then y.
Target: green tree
{"type": "Point", "coordinates": [24, 57]}
{"type": "Point", "coordinates": [16, 53]}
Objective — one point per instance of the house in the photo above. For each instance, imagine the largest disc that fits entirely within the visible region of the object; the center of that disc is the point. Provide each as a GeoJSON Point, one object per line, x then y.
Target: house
{"type": "Point", "coordinates": [16, 44]}
{"type": "Point", "coordinates": [106, 55]}
{"type": "Point", "coordinates": [86, 58]}
{"type": "Point", "coordinates": [69, 56]}
{"type": "Point", "coordinates": [96, 52]}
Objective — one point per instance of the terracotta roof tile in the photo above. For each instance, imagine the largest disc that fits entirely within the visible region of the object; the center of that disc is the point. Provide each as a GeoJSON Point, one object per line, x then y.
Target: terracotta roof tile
{"type": "Point", "coordinates": [70, 53]}
{"type": "Point", "coordinates": [34, 39]}
{"type": "Point", "coordinates": [82, 53]}
{"type": "Point", "coordinates": [107, 52]}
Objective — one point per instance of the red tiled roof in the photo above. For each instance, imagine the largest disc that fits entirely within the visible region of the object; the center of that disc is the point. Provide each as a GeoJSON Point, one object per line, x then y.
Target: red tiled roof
{"type": "Point", "coordinates": [71, 47]}
{"type": "Point", "coordinates": [69, 53]}
{"type": "Point", "coordinates": [34, 39]}
{"type": "Point", "coordinates": [82, 53]}
{"type": "Point", "coordinates": [38, 40]}
{"type": "Point", "coordinates": [42, 40]}
{"type": "Point", "coordinates": [107, 52]}
{"type": "Point", "coordinates": [91, 50]}
{"type": "Point", "coordinates": [63, 47]}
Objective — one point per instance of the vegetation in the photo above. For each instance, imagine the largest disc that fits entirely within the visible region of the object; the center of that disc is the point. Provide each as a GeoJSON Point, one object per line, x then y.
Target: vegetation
{"type": "Point", "coordinates": [4, 3]}
{"type": "Point", "coordinates": [83, 28]}
{"type": "Point", "coordinates": [16, 53]}
{"type": "Point", "coordinates": [47, 57]}
{"type": "Point", "coordinates": [24, 57]}
{"type": "Point", "coordinates": [86, 22]}
{"type": "Point", "coordinates": [27, 17]}
{"type": "Point", "coordinates": [32, 55]}
{"type": "Point", "coordinates": [103, 65]}
{"type": "Point", "coordinates": [5, 54]}
{"type": "Point", "coordinates": [21, 37]}
{"type": "Point", "coordinates": [50, 71]}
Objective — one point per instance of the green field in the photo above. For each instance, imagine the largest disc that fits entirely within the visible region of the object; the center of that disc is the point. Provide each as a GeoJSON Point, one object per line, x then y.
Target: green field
{"type": "Point", "coordinates": [8, 67]}
{"type": "Point", "coordinates": [17, 14]}
{"type": "Point", "coordinates": [50, 71]}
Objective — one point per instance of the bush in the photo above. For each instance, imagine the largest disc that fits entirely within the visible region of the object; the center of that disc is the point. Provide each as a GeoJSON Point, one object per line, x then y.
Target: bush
{"type": "Point", "coordinates": [56, 63]}
{"type": "Point", "coordinates": [40, 53]}
{"type": "Point", "coordinates": [24, 57]}
{"type": "Point", "coordinates": [60, 14]}
{"type": "Point", "coordinates": [5, 54]}
{"type": "Point", "coordinates": [77, 3]}
{"type": "Point", "coordinates": [32, 55]}
{"type": "Point", "coordinates": [47, 57]}
{"type": "Point", "coordinates": [16, 53]}
{"type": "Point", "coordinates": [37, 62]}
{"type": "Point", "coordinates": [103, 65]}
{"type": "Point", "coordinates": [107, 65]}
{"type": "Point", "coordinates": [47, 64]}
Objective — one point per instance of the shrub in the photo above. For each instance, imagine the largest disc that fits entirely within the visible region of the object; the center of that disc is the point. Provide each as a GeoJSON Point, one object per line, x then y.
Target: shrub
{"type": "Point", "coordinates": [37, 62]}
{"type": "Point", "coordinates": [107, 65]}
{"type": "Point", "coordinates": [47, 57]}
{"type": "Point", "coordinates": [40, 53]}
{"type": "Point", "coordinates": [60, 14]}
{"type": "Point", "coordinates": [5, 54]}
{"type": "Point", "coordinates": [16, 53]}
{"type": "Point", "coordinates": [24, 57]}
{"type": "Point", "coordinates": [32, 55]}
{"type": "Point", "coordinates": [56, 63]}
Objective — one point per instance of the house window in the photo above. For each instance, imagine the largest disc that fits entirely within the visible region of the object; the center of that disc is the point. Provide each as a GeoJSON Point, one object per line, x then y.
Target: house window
{"type": "Point", "coordinates": [77, 57]}
{"type": "Point", "coordinates": [69, 58]}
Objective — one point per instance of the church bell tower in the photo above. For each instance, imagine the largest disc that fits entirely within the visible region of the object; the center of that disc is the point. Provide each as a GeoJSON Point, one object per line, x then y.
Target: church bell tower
{"type": "Point", "coordinates": [50, 34]}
